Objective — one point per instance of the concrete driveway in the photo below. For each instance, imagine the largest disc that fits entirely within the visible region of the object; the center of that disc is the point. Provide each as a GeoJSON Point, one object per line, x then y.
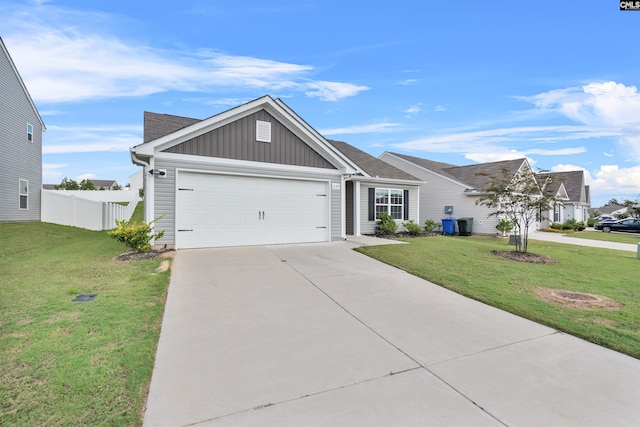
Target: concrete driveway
{"type": "Point", "coordinates": [320, 335]}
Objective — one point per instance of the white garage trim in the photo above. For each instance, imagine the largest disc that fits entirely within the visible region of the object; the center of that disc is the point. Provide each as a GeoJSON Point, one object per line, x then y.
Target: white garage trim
{"type": "Point", "coordinates": [233, 209]}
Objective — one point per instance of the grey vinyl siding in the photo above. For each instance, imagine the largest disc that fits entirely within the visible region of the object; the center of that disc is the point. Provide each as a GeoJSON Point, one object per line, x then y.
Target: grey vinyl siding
{"type": "Point", "coordinates": [336, 210]}
{"type": "Point", "coordinates": [165, 191]}
{"type": "Point", "coordinates": [237, 140]}
{"type": "Point", "coordinates": [369, 227]}
{"type": "Point", "coordinates": [439, 192]}
{"type": "Point", "coordinates": [20, 158]}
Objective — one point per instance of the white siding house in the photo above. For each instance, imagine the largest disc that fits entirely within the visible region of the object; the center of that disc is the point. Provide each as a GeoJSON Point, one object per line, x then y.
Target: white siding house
{"type": "Point", "coordinates": [21, 130]}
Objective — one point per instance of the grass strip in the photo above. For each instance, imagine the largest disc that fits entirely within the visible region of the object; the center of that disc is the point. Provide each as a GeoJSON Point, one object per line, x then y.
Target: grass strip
{"type": "Point", "coordinates": [74, 363]}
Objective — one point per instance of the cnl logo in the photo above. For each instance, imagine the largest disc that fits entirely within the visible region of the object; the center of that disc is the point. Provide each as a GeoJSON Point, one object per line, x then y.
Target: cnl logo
{"type": "Point", "coordinates": [630, 5]}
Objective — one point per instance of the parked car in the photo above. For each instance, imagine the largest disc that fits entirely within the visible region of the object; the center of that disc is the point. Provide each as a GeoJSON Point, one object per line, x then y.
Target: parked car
{"type": "Point", "coordinates": [631, 225]}
{"type": "Point", "coordinates": [602, 218]}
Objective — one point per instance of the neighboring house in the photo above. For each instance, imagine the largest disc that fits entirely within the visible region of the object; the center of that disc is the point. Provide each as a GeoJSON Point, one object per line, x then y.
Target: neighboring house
{"type": "Point", "coordinates": [612, 209]}
{"type": "Point", "coordinates": [106, 184]}
{"type": "Point", "coordinates": [21, 130]}
{"type": "Point", "coordinates": [572, 193]}
{"type": "Point", "coordinates": [452, 191]}
{"type": "Point", "coordinates": [259, 174]}
{"type": "Point", "coordinates": [136, 181]}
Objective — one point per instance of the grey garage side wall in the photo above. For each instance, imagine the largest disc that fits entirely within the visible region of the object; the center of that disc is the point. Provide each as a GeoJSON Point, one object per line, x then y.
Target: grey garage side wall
{"type": "Point", "coordinates": [165, 191]}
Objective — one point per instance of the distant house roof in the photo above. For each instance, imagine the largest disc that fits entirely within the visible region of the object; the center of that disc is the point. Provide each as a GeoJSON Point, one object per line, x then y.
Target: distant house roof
{"type": "Point", "coordinates": [609, 209]}
{"type": "Point", "coordinates": [573, 182]}
{"type": "Point", "coordinates": [373, 166]}
{"type": "Point", "coordinates": [158, 125]}
{"type": "Point", "coordinates": [105, 183]}
{"type": "Point", "coordinates": [474, 177]}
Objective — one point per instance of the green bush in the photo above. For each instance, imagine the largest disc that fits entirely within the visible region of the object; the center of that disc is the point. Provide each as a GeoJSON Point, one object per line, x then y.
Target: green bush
{"type": "Point", "coordinates": [430, 225]}
{"type": "Point", "coordinates": [556, 226]}
{"type": "Point", "coordinates": [580, 226]}
{"type": "Point", "coordinates": [570, 224]}
{"type": "Point", "coordinates": [504, 226]}
{"type": "Point", "coordinates": [386, 224]}
{"type": "Point", "coordinates": [412, 228]}
{"type": "Point", "coordinates": [137, 236]}
{"type": "Point", "coordinates": [591, 222]}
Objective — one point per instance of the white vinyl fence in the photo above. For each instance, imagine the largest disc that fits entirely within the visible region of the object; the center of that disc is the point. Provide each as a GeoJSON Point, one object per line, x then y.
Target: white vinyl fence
{"type": "Point", "coordinates": [75, 208]}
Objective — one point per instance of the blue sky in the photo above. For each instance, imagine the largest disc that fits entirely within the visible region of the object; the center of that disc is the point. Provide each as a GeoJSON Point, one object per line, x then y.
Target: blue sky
{"type": "Point", "coordinates": [458, 81]}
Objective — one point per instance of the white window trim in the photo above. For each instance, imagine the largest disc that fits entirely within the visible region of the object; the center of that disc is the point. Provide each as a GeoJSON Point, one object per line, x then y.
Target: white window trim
{"type": "Point", "coordinates": [20, 194]}
{"type": "Point", "coordinates": [388, 205]}
{"type": "Point", "coordinates": [29, 133]}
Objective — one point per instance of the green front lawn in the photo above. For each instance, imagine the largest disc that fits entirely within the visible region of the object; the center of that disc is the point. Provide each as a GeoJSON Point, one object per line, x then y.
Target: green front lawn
{"type": "Point", "coordinates": [633, 238]}
{"type": "Point", "coordinates": [74, 363]}
{"type": "Point", "coordinates": [467, 266]}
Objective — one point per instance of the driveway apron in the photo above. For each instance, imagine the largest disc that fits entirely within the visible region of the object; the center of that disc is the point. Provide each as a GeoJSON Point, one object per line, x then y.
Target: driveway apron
{"type": "Point", "coordinates": [319, 334]}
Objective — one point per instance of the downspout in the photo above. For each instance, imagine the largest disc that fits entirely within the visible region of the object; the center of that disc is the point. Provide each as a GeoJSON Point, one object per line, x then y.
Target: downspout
{"type": "Point", "coordinates": [148, 185]}
{"type": "Point", "coordinates": [343, 208]}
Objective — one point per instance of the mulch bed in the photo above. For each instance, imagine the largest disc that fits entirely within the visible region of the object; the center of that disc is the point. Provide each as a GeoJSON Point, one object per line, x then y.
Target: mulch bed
{"type": "Point", "coordinates": [146, 255]}
{"type": "Point", "coordinates": [525, 257]}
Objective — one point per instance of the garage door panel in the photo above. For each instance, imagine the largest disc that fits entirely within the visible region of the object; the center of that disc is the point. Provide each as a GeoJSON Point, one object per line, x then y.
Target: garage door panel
{"type": "Point", "coordinates": [234, 210]}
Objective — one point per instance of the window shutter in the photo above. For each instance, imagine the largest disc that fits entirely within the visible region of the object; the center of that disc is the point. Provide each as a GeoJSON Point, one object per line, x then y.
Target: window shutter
{"type": "Point", "coordinates": [405, 201]}
{"type": "Point", "coordinates": [372, 204]}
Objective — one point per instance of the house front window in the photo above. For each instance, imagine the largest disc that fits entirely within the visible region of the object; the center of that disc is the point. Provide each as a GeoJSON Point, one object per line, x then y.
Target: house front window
{"type": "Point", "coordinates": [29, 132]}
{"type": "Point", "coordinates": [556, 213]}
{"type": "Point", "coordinates": [23, 194]}
{"type": "Point", "coordinates": [390, 201]}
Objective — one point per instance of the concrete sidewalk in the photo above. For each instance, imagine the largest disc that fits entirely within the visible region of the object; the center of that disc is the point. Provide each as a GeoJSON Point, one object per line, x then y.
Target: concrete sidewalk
{"type": "Point", "coordinates": [321, 335]}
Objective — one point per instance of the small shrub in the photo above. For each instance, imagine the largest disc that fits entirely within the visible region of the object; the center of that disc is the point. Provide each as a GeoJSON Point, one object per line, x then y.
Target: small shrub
{"type": "Point", "coordinates": [556, 226]}
{"type": "Point", "coordinates": [386, 224]}
{"type": "Point", "coordinates": [136, 236]}
{"type": "Point", "coordinates": [591, 222]}
{"type": "Point", "coordinates": [580, 226]}
{"type": "Point", "coordinates": [504, 226]}
{"type": "Point", "coordinates": [412, 228]}
{"type": "Point", "coordinates": [569, 224]}
{"type": "Point", "coordinates": [430, 225]}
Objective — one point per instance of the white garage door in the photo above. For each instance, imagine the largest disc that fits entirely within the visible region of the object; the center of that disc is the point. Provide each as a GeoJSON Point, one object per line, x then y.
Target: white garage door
{"type": "Point", "coordinates": [223, 210]}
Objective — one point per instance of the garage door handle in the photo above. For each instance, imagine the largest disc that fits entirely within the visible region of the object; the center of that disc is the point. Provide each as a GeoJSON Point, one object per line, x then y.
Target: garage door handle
{"type": "Point", "coordinates": [321, 227]}
{"type": "Point", "coordinates": [185, 229]}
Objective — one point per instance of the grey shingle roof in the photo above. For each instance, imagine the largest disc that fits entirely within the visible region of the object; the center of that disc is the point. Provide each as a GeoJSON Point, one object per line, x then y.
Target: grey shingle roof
{"type": "Point", "coordinates": [468, 175]}
{"type": "Point", "coordinates": [371, 165]}
{"type": "Point", "coordinates": [573, 182]}
{"type": "Point", "coordinates": [158, 125]}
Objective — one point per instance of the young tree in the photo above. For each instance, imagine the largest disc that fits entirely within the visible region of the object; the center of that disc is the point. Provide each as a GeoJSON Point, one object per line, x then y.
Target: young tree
{"type": "Point", "coordinates": [519, 200]}
{"type": "Point", "coordinates": [67, 184]}
{"type": "Point", "coordinates": [87, 184]}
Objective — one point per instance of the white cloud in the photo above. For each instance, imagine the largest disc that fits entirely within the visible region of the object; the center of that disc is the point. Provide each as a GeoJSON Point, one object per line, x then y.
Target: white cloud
{"type": "Point", "coordinates": [408, 82]}
{"type": "Point", "coordinates": [51, 172]}
{"type": "Point", "coordinates": [66, 56]}
{"type": "Point", "coordinates": [330, 91]}
{"type": "Point", "coordinates": [85, 176]}
{"type": "Point", "coordinates": [413, 109]}
{"type": "Point", "coordinates": [439, 108]}
{"type": "Point", "coordinates": [487, 157]}
{"type": "Point", "coordinates": [493, 139]}
{"type": "Point", "coordinates": [88, 139]}
{"type": "Point", "coordinates": [608, 106]}
{"type": "Point", "coordinates": [371, 128]}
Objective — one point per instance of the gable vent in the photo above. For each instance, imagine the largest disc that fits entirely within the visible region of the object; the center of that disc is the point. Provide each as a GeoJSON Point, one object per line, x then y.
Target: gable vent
{"type": "Point", "coordinates": [263, 131]}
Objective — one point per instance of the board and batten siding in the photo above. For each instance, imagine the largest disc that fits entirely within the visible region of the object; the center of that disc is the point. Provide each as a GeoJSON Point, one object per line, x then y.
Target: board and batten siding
{"type": "Point", "coordinates": [439, 192]}
{"type": "Point", "coordinates": [165, 191]}
{"type": "Point", "coordinates": [237, 140]}
{"type": "Point", "coordinates": [20, 158]}
{"type": "Point", "coordinates": [369, 227]}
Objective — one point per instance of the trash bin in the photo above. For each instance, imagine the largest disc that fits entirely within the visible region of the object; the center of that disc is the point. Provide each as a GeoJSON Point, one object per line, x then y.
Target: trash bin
{"type": "Point", "coordinates": [448, 226]}
{"type": "Point", "coordinates": [465, 226]}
